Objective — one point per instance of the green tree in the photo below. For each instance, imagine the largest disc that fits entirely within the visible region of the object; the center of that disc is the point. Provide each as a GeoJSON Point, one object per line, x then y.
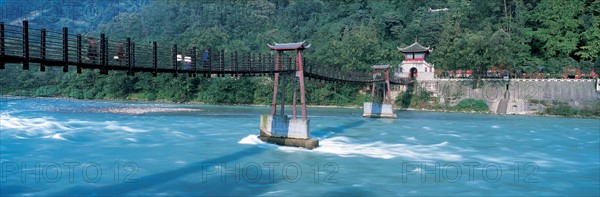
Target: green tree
{"type": "Point", "coordinates": [591, 36]}
{"type": "Point", "coordinates": [557, 26]}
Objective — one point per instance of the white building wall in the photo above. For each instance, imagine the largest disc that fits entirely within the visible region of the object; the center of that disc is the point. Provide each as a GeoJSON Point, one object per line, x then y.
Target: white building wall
{"type": "Point", "coordinates": [425, 71]}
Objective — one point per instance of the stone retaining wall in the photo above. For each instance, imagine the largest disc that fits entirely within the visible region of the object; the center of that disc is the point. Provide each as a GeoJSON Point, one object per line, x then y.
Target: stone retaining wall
{"type": "Point", "coordinates": [520, 93]}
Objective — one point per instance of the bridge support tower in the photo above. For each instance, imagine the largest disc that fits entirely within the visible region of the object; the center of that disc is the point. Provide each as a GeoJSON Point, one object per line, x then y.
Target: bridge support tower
{"type": "Point", "coordinates": [280, 128]}
{"type": "Point", "coordinates": [380, 108]}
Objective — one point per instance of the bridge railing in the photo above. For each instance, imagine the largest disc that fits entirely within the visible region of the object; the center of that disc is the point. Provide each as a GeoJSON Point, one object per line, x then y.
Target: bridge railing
{"type": "Point", "coordinates": [337, 75]}
{"type": "Point", "coordinates": [41, 49]}
{"type": "Point", "coordinates": [115, 53]}
{"type": "Point", "coordinates": [23, 44]}
{"type": "Point", "coordinates": [142, 55]}
{"type": "Point", "coordinates": [12, 40]}
{"type": "Point", "coordinates": [344, 76]}
{"type": "Point", "coordinates": [73, 48]}
{"type": "Point", "coordinates": [164, 57]}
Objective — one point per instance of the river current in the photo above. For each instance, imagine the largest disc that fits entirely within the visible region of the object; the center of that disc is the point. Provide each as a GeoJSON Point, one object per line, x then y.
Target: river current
{"type": "Point", "coordinates": [51, 146]}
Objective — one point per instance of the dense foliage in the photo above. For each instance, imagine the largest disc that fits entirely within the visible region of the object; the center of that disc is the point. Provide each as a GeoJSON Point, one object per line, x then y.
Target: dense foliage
{"type": "Point", "coordinates": [563, 109]}
{"type": "Point", "coordinates": [78, 16]}
{"type": "Point", "coordinates": [534, 36]}
{"type": "Point", "coordinates": [421, 99]}
{"type": "Point", "coordinates": [472, 105]}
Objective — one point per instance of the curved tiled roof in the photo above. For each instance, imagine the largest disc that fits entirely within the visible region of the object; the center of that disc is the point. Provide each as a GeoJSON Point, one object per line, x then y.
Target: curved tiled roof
{"type": "Point", "coordinates": [380, 67]}
{"type": "Point", "coordinates": [288, 46]}
{"type": "Point", "coordinates": [414, 48]}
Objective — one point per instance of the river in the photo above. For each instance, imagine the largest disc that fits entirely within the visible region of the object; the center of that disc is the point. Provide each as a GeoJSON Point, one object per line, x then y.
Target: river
{"type": "Point", "coordinates": [52, 146]}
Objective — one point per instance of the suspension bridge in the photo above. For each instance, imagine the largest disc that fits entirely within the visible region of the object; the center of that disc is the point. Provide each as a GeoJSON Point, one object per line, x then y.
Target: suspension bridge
{"type": "Point", "coordinates": [26, 45]}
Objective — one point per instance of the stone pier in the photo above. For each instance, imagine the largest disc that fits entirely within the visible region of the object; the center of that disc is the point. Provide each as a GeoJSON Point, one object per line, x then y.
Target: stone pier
{"type": "Point", "coordinates": [378, 110]}
{"type": "Point", "coordinates": [284, 131]}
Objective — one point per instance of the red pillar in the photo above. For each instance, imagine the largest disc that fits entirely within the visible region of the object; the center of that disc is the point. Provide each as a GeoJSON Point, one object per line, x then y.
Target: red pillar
{"type": "Point", "coordinates": [301, 76]}
{"type": "Point", "coordinates": [294, 97]}
{"type": "Point", "coordinates": [275, 84]}
{"type": "Point", "coordinates": [373, 91]}
{"type": "Point", "coordinates": [387, 81]}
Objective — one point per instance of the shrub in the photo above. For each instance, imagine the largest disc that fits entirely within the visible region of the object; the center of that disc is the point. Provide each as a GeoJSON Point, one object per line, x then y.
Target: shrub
{"type": "Point", "coordinates": [416, 99]}
{"type": "Point", "coordinates": [472, 105]}
{"type": "Point", "coordinates": [563, 109]}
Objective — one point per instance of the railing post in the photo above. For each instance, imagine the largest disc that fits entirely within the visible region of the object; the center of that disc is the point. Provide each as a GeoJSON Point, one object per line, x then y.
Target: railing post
{"type": "Point", "coordinates": [26, 45]}
{"type": "Point", "coordinates": [194, 60]}
{"type": "Point", "coordinates": [261, 63]}
{"type": "Point", "coordinates": [231, 63]}
{"type": "Point", "coordinates": [271, 62]}
{"type": "Point", "coordinates": [258, 61]}
{"type": "Point", "coordinates": [106, 51]}
{"type": "Point", "coordinates": [242, 63]}
{"type": "Point", "coordinates": [291, 62]}
{"type": "Point", "coordinates": [103, 54]}
{"type": "Point", "coordinates": [248, 65]}
{"type": "Point", "coordinates": [132, 63]}
{"type": "Point", "coordinates": [128, 51]}
{"type": "Point", "coordinates": [265, 64]}
{"type": "Point", "coordinates": [187, 68]}
{"type": "Point", "coordinates": [154, 59]}
{"type": "Point", "coordinates": [2, 46]}
{"type": "Point", "coordinates": [218, 68]}
{"type": "Point", "coordinates": [236, 62]}
{"type": "Point", "coordinates": [174, 60]}
{"type": "Point", "coordinates": [79, 49]}
{"type": "Point", "coordinates": [43, 50]}
{"type": "Point", "coordinates": [222, 62]}
{"type": "Point", "coordinates": [209, 63]}
{"type": "Point", "coordinates": [66, 49]}
{"type": "Point", "coordinates": [268, 64]}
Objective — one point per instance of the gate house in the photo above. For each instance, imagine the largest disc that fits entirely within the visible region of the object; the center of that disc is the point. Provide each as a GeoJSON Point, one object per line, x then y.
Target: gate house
{"type": "Point", "coordinates": [414, 64]}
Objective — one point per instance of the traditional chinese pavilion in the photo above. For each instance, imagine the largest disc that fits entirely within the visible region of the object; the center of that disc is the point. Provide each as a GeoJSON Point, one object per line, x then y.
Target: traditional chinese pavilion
{"type": "Point", "coordinates": [414, 64]}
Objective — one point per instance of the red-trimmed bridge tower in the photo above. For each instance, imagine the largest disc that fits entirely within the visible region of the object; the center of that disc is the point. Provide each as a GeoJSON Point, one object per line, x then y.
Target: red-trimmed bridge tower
{"type": "Point", "coordinates": [380, 108]}
{"type": "Point", "coordinates": [281, 129]}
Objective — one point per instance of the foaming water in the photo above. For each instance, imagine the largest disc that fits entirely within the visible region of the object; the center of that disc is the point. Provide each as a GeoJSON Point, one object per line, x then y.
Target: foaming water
{"type": "Point", "coordinates": [56, 136]}
{"type": "Point", "coordinates": [183, 150]}
{"type": "Point", "coordinates": [112, 125]}
{"type": "Point", "coordinates": [346, 147]}
{"type": "Point", "coordinates": [32, 126]}
{"type": "Point", "coordinates": [251, 139]}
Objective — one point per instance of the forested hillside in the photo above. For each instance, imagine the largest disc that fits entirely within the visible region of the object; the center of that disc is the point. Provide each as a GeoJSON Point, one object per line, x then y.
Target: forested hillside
{"type": "Point", "coordinates": [78, 16]}
{"type": "Point", "coordinates": [533, 36]}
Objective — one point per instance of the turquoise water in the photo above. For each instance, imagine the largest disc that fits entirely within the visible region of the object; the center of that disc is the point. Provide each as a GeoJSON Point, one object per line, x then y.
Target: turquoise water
{"type": "Point", "coordinates": [74, 147]}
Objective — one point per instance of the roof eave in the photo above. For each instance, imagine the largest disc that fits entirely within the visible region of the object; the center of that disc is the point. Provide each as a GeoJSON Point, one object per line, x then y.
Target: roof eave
{"type": "Point", "coordinates": [294, 46]}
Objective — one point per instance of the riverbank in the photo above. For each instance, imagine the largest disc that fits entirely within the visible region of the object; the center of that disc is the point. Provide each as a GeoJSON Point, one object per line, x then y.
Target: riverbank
{"type": "Point", "coordinates": [139, 111]}
{"type": "Point", "coordinates": [536, 114]}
